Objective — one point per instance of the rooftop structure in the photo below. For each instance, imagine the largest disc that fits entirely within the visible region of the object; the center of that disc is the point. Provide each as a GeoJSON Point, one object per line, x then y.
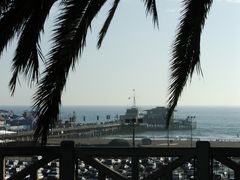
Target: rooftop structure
{"type": "Point", "coordinates": [155, 116]}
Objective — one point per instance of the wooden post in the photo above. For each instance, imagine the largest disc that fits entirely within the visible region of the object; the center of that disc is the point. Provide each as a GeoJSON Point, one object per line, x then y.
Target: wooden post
{"type": "Point", "coordinates": [135, 168]}
{"type": "Point", "coordinates": [2, 167]}
{"type": "Point", "coordinates": [203, 162]}
{"type": "Point", "coordinates": [67, 160]}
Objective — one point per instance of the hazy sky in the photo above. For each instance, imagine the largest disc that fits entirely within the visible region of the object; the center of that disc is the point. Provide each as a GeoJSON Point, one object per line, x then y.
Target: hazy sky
{"type": "Point", "coordinates": [135, 55]}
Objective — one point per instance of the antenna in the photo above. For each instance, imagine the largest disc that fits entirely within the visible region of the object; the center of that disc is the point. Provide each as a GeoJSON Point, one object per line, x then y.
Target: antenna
{"type": "Point", "coordinates": [134, 98]}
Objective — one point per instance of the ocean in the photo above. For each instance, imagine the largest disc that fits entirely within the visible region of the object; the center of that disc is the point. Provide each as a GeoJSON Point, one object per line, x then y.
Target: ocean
{"type": "Point", "coordinates": [213, 123]}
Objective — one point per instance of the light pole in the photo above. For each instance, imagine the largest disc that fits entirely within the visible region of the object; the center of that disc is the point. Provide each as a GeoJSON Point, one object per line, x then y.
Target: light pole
{"type": "Point", "coordinates": [191, 119]}
{"type": "Point", "coordinates": [168, 142]}
{"type": "Point", "coordinates": [191, 130]}
{"type": "Point", "coordinates": [133, 132]}
{"type": "Point", "coordinates": [132, 123]}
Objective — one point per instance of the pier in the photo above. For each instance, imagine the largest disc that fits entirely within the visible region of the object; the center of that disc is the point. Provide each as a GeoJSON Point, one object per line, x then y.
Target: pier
{"type": "Point", "coordinates": [88, 130]}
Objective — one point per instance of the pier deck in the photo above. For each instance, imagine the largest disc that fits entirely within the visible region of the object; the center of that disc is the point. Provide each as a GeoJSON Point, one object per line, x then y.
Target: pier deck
{"type": "Point", "coordinates": [92, 130]}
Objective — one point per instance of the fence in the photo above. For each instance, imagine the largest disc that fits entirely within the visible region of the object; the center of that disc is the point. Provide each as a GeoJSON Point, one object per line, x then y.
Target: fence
{"type": "Point", "coordinates": [69, 155]}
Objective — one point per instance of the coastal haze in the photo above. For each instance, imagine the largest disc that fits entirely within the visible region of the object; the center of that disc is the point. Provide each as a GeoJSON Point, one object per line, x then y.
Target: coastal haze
{"type": "Point", "coordinates": [136, 55]}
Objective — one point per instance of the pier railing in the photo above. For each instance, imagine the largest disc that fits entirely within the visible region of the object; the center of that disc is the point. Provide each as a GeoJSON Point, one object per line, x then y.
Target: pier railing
{"type": "Point", "coordinates": [69, 156]}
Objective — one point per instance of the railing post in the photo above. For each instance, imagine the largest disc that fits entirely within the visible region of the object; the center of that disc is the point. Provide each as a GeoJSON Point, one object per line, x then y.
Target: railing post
{"type": "Point", "coordinates": [2, 167]}
{"type": "Point", "coordinates": [203, 160]}
{"type": "Point", "coordinates": [33, 174]}
{"type": "Point", "coordinates": [67, 160]}
{"type": "Point", "coordinates": [135, 168]}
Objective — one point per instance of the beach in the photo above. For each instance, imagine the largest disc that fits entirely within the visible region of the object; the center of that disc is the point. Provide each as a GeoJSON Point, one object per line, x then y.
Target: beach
{"type": "Point", "coordinates": [95, 141]}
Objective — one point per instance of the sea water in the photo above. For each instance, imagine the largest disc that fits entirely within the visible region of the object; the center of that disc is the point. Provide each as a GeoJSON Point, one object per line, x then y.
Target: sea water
{"type": "Point", "coordinates": [213, 123]}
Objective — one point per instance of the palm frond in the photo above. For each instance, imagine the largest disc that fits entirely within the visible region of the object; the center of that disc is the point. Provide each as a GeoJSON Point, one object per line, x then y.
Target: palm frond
{"type": "Point", "coordinates": [28, 50]}
{"type": "Point", "coordinates": [13, 20]}
{"type": "Point", "coordinates": [151, 8]}
{"type": "Point", "coordinates": [69, 41]}
{"type": "Point", "coordinates": [107, 22]}
{"type": "Point", "coordinates": [186, 49]}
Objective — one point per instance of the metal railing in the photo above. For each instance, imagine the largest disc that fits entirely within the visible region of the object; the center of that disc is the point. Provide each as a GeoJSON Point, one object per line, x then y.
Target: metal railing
{"type": "Point", "coordinates": [69, 156]}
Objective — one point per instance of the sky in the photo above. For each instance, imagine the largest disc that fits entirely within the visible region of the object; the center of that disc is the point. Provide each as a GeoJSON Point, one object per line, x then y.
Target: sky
{"type": "Point", "coordinates": [135, 55]}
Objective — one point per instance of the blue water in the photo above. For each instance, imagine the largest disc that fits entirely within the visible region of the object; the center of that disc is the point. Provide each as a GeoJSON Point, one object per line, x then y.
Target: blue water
{"type": "Point", "coordinates": [212, 122]}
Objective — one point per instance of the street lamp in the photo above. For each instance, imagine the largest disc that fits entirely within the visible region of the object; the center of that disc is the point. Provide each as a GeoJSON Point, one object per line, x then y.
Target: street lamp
{"type": "Point", "coordinates": [191, 120]}
{"type": "Point", "coordinates": [132, 122]}
{"type": "Point", "coordinates": [168, 138]}
{"type": "Point", "coordinates": [133, 131]}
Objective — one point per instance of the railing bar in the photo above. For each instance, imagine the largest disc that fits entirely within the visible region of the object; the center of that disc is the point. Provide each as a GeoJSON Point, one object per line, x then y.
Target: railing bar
{"type": "Point", "coordinates": [102, 167]}
{"type": "Point", "coordinates": [230, 152]}
{"type": "Point", "coordinates": [33, 167]}
{"type": "Point", "coordinates": [228, 162]}
{"type": "Point", "coordinates": [231, 164]}
{"type": "Point", "coordinates": [28, 151]}
{"type": "Point", "coordinates": [169, 168]}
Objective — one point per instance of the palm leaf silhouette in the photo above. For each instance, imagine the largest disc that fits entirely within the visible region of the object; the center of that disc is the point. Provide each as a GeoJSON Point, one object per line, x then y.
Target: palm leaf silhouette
{"type": "Point", "coordinates": [68, 43]}
{"type": "Point", "coordinates": [26, 58]}
{"type": "Point", "coordinates": [107, 23]}
{"type": "Point", "coordinates": [186, 49]}
{"type": "Point", "coordinates": [152, 9]}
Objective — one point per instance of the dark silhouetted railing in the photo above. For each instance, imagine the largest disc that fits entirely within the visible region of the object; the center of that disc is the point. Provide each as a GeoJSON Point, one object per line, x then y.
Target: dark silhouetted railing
{"type": "Point", "coordinates": [69, 155]}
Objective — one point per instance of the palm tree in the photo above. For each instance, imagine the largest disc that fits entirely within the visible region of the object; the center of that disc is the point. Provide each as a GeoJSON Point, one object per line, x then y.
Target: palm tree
{"type": "Point", "coordinates": [24, 21]}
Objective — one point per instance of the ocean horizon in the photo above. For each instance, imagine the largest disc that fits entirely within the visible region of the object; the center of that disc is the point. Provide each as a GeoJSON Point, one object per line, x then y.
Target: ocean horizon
{"type": "Point", "coordinates": [213, 122]}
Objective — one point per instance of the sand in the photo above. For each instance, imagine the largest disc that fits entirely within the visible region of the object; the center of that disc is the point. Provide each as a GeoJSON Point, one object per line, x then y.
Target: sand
{"type": "Point", "coordinates": [155, 143]}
